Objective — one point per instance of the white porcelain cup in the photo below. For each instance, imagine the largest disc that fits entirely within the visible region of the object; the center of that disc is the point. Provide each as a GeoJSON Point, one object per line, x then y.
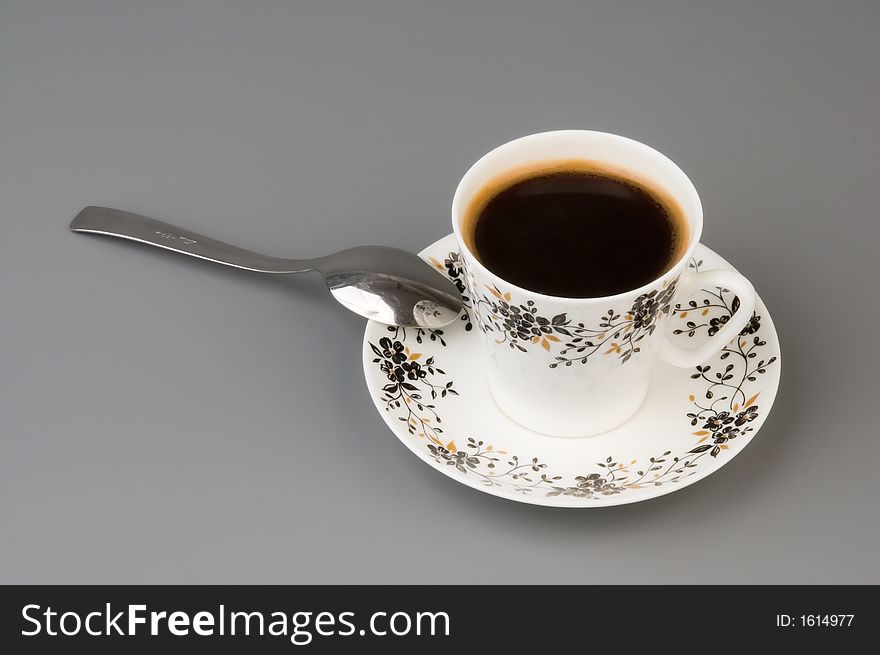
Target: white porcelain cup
{"type": "Point", "coordinates": [580, 366]}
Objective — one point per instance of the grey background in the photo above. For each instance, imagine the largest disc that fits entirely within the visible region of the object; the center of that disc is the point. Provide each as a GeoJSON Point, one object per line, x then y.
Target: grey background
{"type": "Point", "coordinates": [164, 420]}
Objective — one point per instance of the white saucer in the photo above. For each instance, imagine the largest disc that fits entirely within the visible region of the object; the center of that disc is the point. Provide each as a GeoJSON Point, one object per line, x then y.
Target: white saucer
{"type": "Point", "coordinates": [430, 388]}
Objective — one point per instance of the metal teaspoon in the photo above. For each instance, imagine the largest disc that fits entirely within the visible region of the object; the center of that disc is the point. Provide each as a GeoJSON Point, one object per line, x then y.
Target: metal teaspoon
{"type": "Point", "coordinates": [383, 284]}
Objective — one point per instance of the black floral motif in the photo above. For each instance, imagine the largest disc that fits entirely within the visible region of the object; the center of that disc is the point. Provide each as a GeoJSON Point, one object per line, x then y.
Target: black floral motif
{"type": "Point", "coordinates": [396, 366]}
{"type": "Point", "coordinates": [724, 400]}
{"type": "Point", "coordinates": [522, 325]}
{"type": "Point", "coordinates": [587, 486]}
{"type": "Point", "coordinates": [752, 326]}
{"type": "Point", "coordinates": [392, 351]}
{"type": "Point", "coordinates": [407, 383]}
{"type": "Point", "coordinates": [414, 370]}
{"type": "Point", "coordinates": [458, 458]}
{"type": "Point", "coordinates": [518, 324]}
{"type": "Point", "coordinates": [619, 335]}
{"type": "Point", "coordinates": [718, 421]}
{"type": "Point", "coordinates": [616, 477]}
{"type": "Point", "coordinates": [493, 467]}
{"type": "Point", "coordinates": [649, 305]}
{"type": "Point", "coordinates": [748, 415]}
{"type": "Point", "coordinates": [715, 323]}
{"type": "Point", "coordinates": [454, 268]}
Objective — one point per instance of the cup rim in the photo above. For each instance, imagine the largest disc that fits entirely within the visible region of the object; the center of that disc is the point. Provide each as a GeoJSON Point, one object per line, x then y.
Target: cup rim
{"type": "Point", "coordinates": [696, 227]}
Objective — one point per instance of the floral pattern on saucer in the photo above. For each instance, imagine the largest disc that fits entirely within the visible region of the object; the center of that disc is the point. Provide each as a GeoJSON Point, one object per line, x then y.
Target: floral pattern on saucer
{"type": "Point", "coordinates": [722, 404]}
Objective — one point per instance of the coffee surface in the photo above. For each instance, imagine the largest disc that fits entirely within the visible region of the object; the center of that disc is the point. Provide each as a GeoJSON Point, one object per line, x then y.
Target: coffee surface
{"type": "Point", "coordinates": [577, 232]}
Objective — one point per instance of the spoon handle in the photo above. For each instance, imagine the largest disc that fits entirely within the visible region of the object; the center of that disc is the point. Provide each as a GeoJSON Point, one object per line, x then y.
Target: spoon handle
{"type": "Point", "coordinates": [125, 225]}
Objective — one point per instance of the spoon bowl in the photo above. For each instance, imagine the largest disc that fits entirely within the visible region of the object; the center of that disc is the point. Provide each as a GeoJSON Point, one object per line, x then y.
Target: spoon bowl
{"type": "Point", "coordinates": [391, 286]}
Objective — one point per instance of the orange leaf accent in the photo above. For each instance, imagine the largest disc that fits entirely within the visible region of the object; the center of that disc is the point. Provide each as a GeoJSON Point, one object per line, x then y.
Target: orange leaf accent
{"type": "Point", "coordinates": [415, 356]}
{"type": "Point", "coordinates": [636, 486]}
{"type": "Point", "coordinates": [751, 401]}
{"type": "Point", "coordinates": [406, 350]}
{"type": "Point", "coordinates": [742, 344]}
{"type": "Point", "coordinates": [545, 344]}
{"type": "Point", "coordinates": [507, 296]}
{"type": "Point", "coordinates": [723, 446]}
{"type": "Point", "coordinates": [691, 397]}
{"type": "Point", "coordinates": [699, 433]}
{"type": "Point", "coordinates": [489, 447]}
{"type": "Point", "coordinates": [451, 447]}
{"type": "Point", "coordinates": [501, 452]}
{"type": "Point", "coordinates": [535, 339]}
{"type": "Point", "coordinates": [705, 311]}
{"type": "Point", "coordinates": [436, 263]}
{"type": "Point", "coordinates": [495, 292]}
{"type": "Point", "coordinates": [435, 440]}
{"type": "Point", "coordinates": [552, 338]}
{"type": "Point", "coordinates": [683, 314]}
{"type": "Point", "coordinates": [633, 462]}
{"type": "Point", "coordinates": [703, 439]}
{"type": "Point", "coordinates": [735, 407]}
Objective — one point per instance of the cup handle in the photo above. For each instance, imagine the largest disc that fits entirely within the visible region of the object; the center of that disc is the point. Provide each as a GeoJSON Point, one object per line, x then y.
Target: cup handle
{"type": "Point", "coordinates": [725, 279]}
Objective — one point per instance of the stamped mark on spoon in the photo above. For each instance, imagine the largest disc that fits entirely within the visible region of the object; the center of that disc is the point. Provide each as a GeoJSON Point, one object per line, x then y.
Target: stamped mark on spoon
{"type": "Point", "coordinates": [173, 237]}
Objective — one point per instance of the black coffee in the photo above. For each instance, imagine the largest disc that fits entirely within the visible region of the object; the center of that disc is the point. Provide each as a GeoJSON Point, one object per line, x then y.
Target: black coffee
{"type": "Point", "coordinates": [575, 231]}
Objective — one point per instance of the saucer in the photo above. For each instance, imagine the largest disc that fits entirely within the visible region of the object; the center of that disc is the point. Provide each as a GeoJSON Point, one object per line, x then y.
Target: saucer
{"type": "Point", "coordinates": [431, 389]}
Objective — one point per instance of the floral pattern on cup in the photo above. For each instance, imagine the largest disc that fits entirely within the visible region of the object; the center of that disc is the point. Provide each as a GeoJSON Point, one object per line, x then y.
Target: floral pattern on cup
{"type": "Point", "coordinates": [723, 403]}
{"type": "Point", "coordinates": [454, 268]}
{"type": "Point", "coordinates": [522, 326]}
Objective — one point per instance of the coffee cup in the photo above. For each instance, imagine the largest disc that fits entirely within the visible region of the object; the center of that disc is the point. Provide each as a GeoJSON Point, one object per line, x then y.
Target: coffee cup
{"type": "Point", "coordinates": [574, 367]}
